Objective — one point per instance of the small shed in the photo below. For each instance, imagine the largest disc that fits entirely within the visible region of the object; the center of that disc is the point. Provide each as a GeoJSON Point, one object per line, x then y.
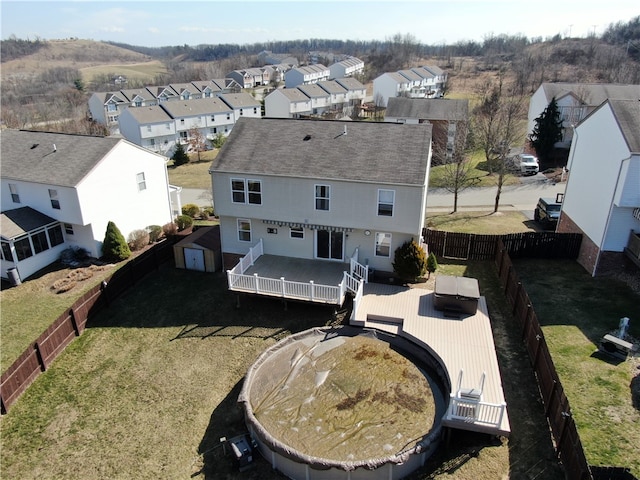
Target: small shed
{"type": "Point", "coordinates": [200, 251]}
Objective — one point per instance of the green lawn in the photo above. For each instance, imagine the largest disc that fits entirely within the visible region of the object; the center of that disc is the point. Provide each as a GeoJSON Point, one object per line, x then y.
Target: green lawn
{"type": "Point", "coordinates": [194, 174]}
{"type": "Point", "coordinates": [478, 171]}
{"type": "Point", "coordinates": [575, 311]}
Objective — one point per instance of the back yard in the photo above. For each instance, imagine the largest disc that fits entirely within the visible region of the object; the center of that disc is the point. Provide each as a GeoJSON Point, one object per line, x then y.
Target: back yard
{"type": "Point", "coordinates": [151, 386]}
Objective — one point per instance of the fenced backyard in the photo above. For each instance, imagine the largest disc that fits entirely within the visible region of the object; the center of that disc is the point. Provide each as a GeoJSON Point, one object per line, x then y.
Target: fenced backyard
{"type": "Point", "coordinates": [37, 358]}
{"type": "Point", "coordinates": [38, 355]}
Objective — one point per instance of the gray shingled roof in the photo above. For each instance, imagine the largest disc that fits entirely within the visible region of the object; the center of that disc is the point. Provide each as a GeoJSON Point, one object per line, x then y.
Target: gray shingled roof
{"type": "Point", "coordinates": [196, 107]}
{"type": "Point", "coordinates": [313, 90]}
{"type": "Point", "coordinates": [151, 114]}
{"type": "Point", "coordinates": [627, 113]}
{"type": "Point", "coordinates": [592, 94]}
{"type": "Point", "coordinates": [239, 100]}
{"type": "Point", "coordinates": [332, 87]}
{"type": "Point", "coordinates": [30, 156]}
{"type": "Point", "coordinates": [19, 221]}
{"type": "Point", "coordinates": [293, 94]}
{"type": "Point", "coordinates": [385, 153]}
{"type": "Point", "coordinates": [350, 83]}
{"type": "Point", "coordinates": [428, 108]}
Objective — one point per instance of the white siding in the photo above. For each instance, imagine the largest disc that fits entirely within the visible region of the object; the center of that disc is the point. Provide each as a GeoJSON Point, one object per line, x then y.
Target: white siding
{"type": "Point", "coordinates": [594, 171]}
{"type": "Point", "coordinates": [111, 193]}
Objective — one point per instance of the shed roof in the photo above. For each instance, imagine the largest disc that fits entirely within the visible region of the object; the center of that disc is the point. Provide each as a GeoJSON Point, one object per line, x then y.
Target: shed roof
{"type": "Point", "coordinates": [207, 237]}
{"type": "Point", "coordinates": [385, 153]}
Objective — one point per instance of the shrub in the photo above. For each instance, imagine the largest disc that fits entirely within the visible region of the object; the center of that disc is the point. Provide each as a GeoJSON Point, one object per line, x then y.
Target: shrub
{"type": "Point", "coordinates": [410, 261]}
{"type": "Point", "coordinates": [169, 229]}
{"type": "Point", "coordinates": [155, 232]}
{"type": "Point", "coordinates": [191, 209]}
{"type": "Point", "coordinates": [114, 247]}
{"type": "Point", "coordinates": [206, 212]}
{"type": "Point", "coordinates": [183, 222]}
{"type": "Point", "coordinates": [138, 239]}
{"type": "Point", "coordinates": [73, 256]}
{"type": "Point", "coordinates": [432, 263]}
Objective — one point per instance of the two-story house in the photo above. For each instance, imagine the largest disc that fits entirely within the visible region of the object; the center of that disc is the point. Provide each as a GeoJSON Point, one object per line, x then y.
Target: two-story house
{"type": "Point", "coordinates": [575, 101]}
{"type": "Point", "coordinates": [347, 67]}
{"type": "Point", "coordinates": [305, 75]}
{"type": "Point", "coordinates": [444, 114]}
{"type": "Point", "coordinates": [427, 81]}
{"type": "Point", "coordinates": [287, 103]}
{"type": "Point", "coordinates": [321, 190]}
{"type": "Point", "coordinates": [242, 104]}
{"type": "Point", "coordinates": [320, 98]}
{"type": "Point", "coordinates": [602, 196]}
{"type": "Point", "coordinates": [149, 127]}
{"type": "Point", "coordinates": [61, 190]}
{"type": "Point", "coordinates": [250, 77]}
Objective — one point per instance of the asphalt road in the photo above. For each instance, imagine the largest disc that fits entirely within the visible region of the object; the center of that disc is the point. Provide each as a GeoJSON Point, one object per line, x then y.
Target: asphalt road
{"type": "Point", "coordinates": [521, 197]}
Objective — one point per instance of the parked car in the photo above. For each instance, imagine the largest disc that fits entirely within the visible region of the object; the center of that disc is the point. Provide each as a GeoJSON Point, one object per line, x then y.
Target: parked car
{"type": "Point", "coordinates": [526, 164]}
{"type": "Point", "coordinates": [547, 212]}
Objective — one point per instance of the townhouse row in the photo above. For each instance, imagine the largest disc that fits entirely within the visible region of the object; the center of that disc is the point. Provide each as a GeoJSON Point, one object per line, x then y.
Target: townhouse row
{"type": "Point", "coordinates": [427, 81]}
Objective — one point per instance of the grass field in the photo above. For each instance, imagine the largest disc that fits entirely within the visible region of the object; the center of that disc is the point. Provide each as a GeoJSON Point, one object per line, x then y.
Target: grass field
{"type": "Point", "coordinates": [143, 72]}
{"type": "Point", "coordinates": [194, 174]}
{"type": "Point", "coordinates": [478, 171]}
{"type": "Point", "coordinates": [482, 222]}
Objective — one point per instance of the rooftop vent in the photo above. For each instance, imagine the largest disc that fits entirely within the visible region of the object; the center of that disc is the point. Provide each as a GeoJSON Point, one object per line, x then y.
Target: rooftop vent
{"type": "Point", "coordinates": [307, 138]}
{"type": "Point", "coordinates": [34, 145]}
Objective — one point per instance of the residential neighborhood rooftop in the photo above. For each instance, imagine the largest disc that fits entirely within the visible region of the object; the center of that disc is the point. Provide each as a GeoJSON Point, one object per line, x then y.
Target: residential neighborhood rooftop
{"type": "Point", "coordinates": [385, 153]}
{"type": "Point", "coordinates": [51, 158]}
{"type": "Point", "coordinates": [428, 108]}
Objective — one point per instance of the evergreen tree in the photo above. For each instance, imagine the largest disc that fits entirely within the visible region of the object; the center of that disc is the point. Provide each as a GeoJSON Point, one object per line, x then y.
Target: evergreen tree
{"type": "Point", "coordinates": [114, 246]}
{"type": "Point", "coordinates": [410, 261]}
{"type": "Point", "coordinates": [547, 131]}
{"type": "Point", "coordinates": [179, 156]}
{"type": "Point", "coordinates": [432, 263]}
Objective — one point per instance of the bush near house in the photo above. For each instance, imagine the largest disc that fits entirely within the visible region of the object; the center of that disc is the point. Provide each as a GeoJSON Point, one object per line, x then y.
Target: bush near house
{"type": "Point", "coordinates": [155, 232]}
{"type": "Point", "coordinates": [138, 239]}
{"type": "Point", "coordinates": [183, 222]}
{"type": "Point", "coordinates": [410, 261]}
{"type": "Point", "coordinates": [191, 209]}
{"type": "Point", "coordinates": [114, 247]}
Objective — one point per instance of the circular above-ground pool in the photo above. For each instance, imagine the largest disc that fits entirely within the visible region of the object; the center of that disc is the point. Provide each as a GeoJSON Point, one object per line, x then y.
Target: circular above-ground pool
{"type": "Point", "coordinates": [352, 403]}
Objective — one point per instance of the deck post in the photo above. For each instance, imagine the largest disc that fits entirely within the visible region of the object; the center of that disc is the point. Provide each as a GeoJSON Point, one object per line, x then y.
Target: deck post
{"type": "Point", "coordinates": [311, 290]}
{"type": "Point", "coordinates": [283, 286]}
{"type": "Point", "coordinates": [255, 276]}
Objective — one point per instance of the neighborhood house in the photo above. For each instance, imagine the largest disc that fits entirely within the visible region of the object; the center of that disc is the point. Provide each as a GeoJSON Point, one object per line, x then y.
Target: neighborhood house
{"type": "Point", "coordinates": [60, 191]}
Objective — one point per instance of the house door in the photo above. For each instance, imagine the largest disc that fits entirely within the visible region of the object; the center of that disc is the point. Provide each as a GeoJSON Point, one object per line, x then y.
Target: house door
{"type": "Point", "coordinates": [194, 259]}
{"type": "Point", "coordinates": [329, 244]}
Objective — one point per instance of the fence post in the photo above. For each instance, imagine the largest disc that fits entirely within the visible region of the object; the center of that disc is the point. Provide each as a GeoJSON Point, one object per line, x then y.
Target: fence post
{"type": "Point", "coordinates": [516, 297]}
{"type": "Point", "coordinates": [39, 356]}
{"type": "Point", "coordinates": [527, 320]}
{"type": "Point", "coordinates": [554, 387]}
{"type": "Point", "coordinates": [74, 324]}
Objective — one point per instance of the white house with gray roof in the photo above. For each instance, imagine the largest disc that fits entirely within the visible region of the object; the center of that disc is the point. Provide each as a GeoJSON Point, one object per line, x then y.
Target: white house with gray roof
{"type": "Point", "coordinates": [347, 67]}
{"type": "Point", "coordinates": [602, 195]}
{"type": "Point", "coordinates": [149, 127]}
{"type": "Point", "coordinates": [308, 74]}
{"type": "Point", "coordinates": [287, 103]}
{"type": "Point", "coordinates": [320, 98]}
{"type": "Point", "coordinates": [427, 81]}
{"type": "Point", "coordinates": [61, 190]}
{"type": "Point", "coordinates": [320, 190]}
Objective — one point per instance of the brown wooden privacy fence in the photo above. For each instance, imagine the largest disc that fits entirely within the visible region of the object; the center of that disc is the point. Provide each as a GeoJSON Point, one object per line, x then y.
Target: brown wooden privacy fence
{"type": "Point", "coordinates": [39, 355]}
{"type": "Point", "coordinates": [469, 246]}
{"type": "Point", "coordinates": [557, 409]}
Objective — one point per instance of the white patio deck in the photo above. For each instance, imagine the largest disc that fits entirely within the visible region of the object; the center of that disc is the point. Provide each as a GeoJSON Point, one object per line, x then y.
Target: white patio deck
{"type": "Point", "coordinates": [464, 344]}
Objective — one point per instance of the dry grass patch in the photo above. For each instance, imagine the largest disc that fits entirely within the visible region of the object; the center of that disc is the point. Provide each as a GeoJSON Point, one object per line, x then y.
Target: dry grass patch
{"type": "Point", "coordinates": [481, 222]}
{"type": "Point", "coordinates": [193, 174]}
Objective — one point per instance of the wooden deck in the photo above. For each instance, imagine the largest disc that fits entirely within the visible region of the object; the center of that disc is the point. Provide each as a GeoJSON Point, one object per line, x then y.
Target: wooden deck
{"type": "Point", "coordinates": [464, 343]}
{"type": "Point", "coordinates": [321, 272]}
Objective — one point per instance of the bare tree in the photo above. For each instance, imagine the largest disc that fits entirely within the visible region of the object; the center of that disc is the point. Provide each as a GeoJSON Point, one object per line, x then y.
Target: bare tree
{"type": "Point", "coordinates": [457, 170]}
{"type": "Point", "coordinates": [197, 140]}
{"type": "Point", "coordinates": [500, 123]}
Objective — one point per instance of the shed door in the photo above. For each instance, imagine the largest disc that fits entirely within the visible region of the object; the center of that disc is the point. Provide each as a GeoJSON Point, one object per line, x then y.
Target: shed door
{"type": "Point", "coordinates": [194, 259]}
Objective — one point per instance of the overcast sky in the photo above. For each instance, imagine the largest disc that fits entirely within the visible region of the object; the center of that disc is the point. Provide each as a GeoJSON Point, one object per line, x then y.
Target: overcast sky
{"type": "Point", "coordinates": [155, 23]}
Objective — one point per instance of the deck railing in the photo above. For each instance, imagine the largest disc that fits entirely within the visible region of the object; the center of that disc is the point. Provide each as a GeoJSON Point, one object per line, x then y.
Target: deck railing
{"type": "Point", "coordinates": [357, 269]}
{"type": "Point", "coordinates": [475, 411]}
{"type": "Point", "coordinates": [280, 287]}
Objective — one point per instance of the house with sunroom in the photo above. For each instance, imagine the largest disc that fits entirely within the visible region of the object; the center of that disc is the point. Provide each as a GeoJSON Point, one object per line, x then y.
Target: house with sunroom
{"type": "Point", "coordinates": [60, 190]}
{"type": "Point", "coordinates": [602, 195]}
{"type": "Point", "coordinates": [315, 201]}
